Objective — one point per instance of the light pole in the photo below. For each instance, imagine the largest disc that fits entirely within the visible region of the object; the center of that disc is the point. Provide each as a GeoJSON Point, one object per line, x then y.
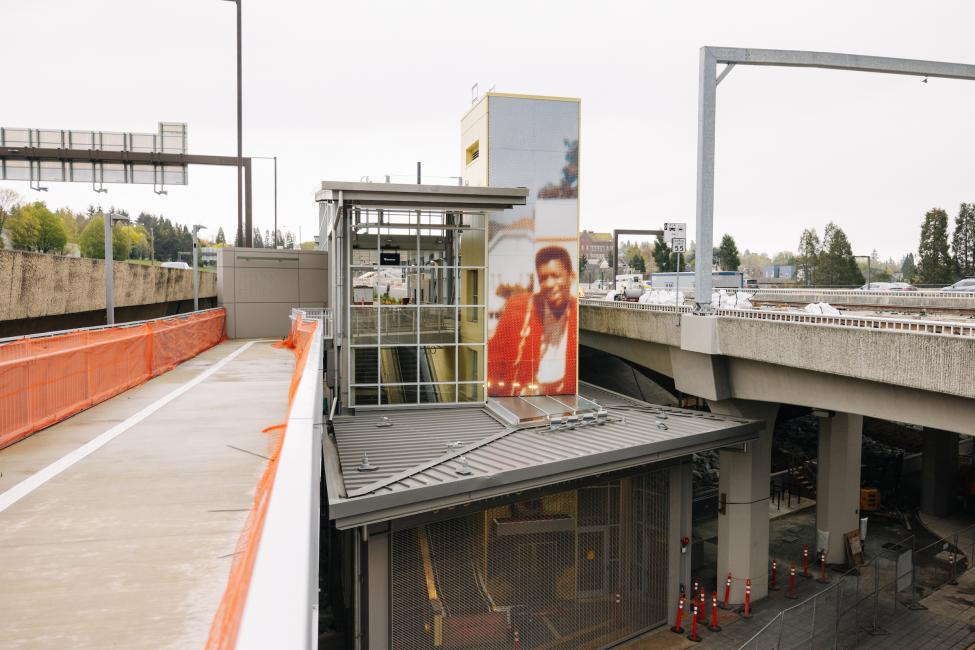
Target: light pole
{"type": "Point", "coordinates": [274, 233]}
{"type": "Point", "coordinates": [242, 237]}
{"type": "Point", "coordinates": [196, 270]}
{"type": "Point", "coordinates": [109, 220]}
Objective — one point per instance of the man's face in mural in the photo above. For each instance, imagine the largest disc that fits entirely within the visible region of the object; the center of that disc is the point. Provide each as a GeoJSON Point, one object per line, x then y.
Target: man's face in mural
{"type": "Point", "coordinates": [555, 284]}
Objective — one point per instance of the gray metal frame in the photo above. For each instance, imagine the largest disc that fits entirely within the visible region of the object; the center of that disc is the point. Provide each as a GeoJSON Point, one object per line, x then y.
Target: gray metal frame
{"type": "Point", "coordinates": [707, 106]}
{"type": "Point", "coordinates": [616, 246]}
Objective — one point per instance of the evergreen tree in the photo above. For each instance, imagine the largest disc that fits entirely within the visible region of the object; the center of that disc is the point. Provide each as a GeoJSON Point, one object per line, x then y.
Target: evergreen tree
{"type": "Point", "coordinates": [258, 240]}
{"type": "Point", "coordinates": [663, 258]}
{"type": "Point", "coordinates": [935, 265]}
{"type": "Point", "coordinates": [837, 266]}
{"type": "Point", "coordinates": [583, 263]}
{"type": "Point", "coordinates": [221, 238]}
{"type": "Point", "coordinates": [635, 260]}
{"type": "Point", "coordinates": [963, 241]}
{"type": "Point", "coordinates": [289, 240]}
{"type": "Point", "coordinates": [808, 258]}
{"type": "Point", "coordinates": [908, 268]}
{"type": "Point", "coordinates": [728, 259]}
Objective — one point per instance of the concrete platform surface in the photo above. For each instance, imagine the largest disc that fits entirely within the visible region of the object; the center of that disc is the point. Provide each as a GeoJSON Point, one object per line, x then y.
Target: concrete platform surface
{"type": "Point", "coordinates": [130, 546]}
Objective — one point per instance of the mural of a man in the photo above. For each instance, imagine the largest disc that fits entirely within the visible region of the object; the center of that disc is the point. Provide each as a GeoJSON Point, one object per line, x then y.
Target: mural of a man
{"type": "Point", "coordinates": [533, 350]}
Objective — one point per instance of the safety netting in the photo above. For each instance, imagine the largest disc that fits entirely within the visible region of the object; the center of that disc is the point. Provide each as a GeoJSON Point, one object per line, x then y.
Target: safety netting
{"type": "Point", "coordinates": [45, 380]}
{"type": "Point", "coordinates": [226, 622]}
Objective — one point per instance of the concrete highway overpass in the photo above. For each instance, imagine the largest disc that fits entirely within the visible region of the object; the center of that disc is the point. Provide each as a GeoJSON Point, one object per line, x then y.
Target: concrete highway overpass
{"type": "Point", "coordinates": [748, 362]}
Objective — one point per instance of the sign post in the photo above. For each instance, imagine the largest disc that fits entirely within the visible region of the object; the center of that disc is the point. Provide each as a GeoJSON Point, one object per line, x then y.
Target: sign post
{"type": "Point", "coordinates": [675, 234]}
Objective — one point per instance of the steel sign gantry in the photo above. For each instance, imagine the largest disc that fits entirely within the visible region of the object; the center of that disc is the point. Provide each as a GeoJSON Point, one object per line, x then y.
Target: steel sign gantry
{"type": "Point", "coordinates": [707, 104]}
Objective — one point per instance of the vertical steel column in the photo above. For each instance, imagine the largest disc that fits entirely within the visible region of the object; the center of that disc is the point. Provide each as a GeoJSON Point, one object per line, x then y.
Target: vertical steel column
{"type": "Point", "coordinates": [707, 98]}
{"type": "Point", "coordinates": [248, 205]}
{"type": "Point", "coordinates": [109, 272]}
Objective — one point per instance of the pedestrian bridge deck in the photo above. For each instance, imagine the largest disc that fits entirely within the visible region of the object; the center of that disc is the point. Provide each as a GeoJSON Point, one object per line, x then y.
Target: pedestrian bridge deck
{"type": "Point", "coordinates": [118, 526]}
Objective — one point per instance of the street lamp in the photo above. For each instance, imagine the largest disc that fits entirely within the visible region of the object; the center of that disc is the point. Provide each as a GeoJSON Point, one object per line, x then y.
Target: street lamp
{"type": "Point", "coordinates": [110, 220]}
{"type": "Point", "coordinates": [241, 235]}
{"type": "Point", "coordinates": [275, 159]}
{"type": "Point", "coordinates": [196, 271]}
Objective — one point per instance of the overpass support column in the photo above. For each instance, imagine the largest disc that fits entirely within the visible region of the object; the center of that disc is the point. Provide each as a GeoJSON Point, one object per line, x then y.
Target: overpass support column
{"type": "Point", "coordinates": [743, 484]}
{"type": "Point", "coordinates": [838, 482]}
{"type": "Point", "coordinates": [939, 471]}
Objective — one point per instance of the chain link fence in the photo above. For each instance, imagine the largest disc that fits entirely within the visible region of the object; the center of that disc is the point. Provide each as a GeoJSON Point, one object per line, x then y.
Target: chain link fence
{"type": "Point", "coordinates": [868, 600]}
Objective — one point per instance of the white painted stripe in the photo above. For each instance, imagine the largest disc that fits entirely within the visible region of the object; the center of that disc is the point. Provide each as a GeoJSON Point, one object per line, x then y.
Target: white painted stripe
{"type": "Point", "coordinates": [31, 483]}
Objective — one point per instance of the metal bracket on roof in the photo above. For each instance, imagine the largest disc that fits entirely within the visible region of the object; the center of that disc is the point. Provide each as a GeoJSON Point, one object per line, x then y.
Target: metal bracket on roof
{"type": "Point", "coordinates": [365, 465]}
{"type": "Point", "coordinates": [384, 422]}
{"type": "Point", "coordinates": [464, 469]}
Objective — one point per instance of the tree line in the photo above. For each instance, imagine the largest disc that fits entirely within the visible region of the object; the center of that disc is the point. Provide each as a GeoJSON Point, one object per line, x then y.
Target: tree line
{"type": "Point", "coordinates": [33, 226]}
{"type": "Point", "coordinates": [942, 259]}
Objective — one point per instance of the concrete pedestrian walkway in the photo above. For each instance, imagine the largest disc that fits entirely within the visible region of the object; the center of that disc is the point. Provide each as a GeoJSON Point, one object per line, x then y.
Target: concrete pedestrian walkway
{"type": "Point", "coordinates": [118, 525]}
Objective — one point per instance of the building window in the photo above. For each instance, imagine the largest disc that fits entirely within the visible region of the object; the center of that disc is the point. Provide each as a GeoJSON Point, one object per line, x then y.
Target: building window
{"type": "Point", "coordinates": [473, 152]}
{"type": "Point", "coordinates": [416, 311]}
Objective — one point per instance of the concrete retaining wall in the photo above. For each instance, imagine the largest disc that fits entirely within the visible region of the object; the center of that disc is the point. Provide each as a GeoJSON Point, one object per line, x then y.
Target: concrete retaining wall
{"type": "Point", "coordinates": [35, 285]}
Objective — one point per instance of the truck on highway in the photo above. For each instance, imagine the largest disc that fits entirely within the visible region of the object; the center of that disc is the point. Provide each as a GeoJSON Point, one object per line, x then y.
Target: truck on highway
{"type": "Point", "coordinates": [684, 281]}
{"type": "Point", "coordinates": [628, 287]}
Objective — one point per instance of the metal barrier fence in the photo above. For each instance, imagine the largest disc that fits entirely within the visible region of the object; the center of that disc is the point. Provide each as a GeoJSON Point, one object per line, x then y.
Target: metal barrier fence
{"type": "Point", "coordinates": [929, 327]}
{"type": "Point", "coordinates": [869, 600]}
{"type": "Point", "coordinates": [322, 314]}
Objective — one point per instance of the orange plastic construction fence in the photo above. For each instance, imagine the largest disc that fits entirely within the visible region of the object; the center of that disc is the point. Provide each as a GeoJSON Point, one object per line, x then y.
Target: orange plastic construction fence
{"type": "Point", "coordinates": [226, 622]}
{"type": "Point", "coordinates": [45, 380]}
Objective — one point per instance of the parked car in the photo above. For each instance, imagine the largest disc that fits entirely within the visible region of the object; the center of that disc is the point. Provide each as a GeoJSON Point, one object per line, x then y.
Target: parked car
{"type": "Point", "coordinates": [175, 265]}
{"type": "Point", "coordinates": [751, 283]}
{"type": "Point", "coordinates": [888, 286]}
{"type": "Point", "coordinates": [968, 284]}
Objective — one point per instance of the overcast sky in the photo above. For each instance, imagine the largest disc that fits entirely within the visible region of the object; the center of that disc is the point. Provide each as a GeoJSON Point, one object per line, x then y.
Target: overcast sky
{"type": "Point", "coordinates": [341, 90]}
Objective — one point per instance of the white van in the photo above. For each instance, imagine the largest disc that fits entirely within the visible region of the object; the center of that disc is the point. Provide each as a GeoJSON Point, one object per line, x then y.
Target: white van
{"type": "Point", "coordinates": [175, 265]}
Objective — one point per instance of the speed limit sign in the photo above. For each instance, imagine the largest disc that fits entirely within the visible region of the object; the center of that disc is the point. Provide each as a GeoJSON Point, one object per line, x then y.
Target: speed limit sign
{"type": "Point", "coordinates": [677, 244]}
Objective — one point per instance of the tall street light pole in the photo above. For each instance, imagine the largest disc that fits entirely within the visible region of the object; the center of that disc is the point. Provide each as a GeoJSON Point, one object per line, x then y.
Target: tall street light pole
{"type": "Point", "coordinates": [196, 268]}
{"type": "Point", "coordinates": [109, 221]}
{"type": "Point", "coordinates": [242, 237]}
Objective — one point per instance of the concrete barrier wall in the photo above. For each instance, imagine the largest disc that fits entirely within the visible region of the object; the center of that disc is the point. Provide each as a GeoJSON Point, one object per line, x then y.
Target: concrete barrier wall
{"type": "Point", "coordinates": [35, 285]}
{"type": "Point", "coordinates": [940, 364]}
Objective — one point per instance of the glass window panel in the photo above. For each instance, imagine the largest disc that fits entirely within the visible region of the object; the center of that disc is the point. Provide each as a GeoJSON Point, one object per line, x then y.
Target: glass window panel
{"type": "Point", "coordinates": [364, 249]}
{"type": "Point", "coordinates": [436, 286]}
{"type": "Point", "coordinates": [363, 327]}
{"type": "Point", "coordinates": [470, 359]}
{"type": "Point", "coordinates": [438, 325]}
{"type": "Point", "coordinates": [437, 363]}
{"type": "Point", "coordinates": [470, 392]}
{"type": "Point", "coordinates": [397, 325]}
{"type": "Point", "coordinates": [471, 286]}
{"type": "Point", "coordinates": [399, 394]}
{"type": "Point", "coordinates": [472, 325]}
{"type": "Point", "coordinates": [365, 367]}
{"type": "Point", "coordinates": [474, 220]}
{"type": "Point", "coordinates": [436, 393]}
{"type": "Point", "coordinates": [365, 396]}
{"type": "Point", "coordinates": [398, 365]}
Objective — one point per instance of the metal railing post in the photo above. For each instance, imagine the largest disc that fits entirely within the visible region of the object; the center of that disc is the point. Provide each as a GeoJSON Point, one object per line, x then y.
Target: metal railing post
{"type": "Point", "coordinates": [836, 623]}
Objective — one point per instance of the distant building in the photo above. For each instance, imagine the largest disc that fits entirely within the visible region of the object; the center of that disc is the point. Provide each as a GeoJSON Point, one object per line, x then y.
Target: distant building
{"type": "Point", "coordinates": [779, 273]}
{"type": "Point", "coordinates": [595, 246]}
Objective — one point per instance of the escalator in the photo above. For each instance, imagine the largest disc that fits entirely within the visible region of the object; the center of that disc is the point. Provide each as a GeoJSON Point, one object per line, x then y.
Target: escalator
{"type": "Point", "coordinates": [469, 619]}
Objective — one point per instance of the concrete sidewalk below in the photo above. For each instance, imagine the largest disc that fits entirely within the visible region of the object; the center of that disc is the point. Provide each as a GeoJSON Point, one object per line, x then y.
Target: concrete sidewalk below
{"type": "Point", "coordinates": [131, 545]}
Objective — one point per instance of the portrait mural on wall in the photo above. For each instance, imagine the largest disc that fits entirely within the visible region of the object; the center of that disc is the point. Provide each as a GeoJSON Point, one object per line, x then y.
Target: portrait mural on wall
{"type": "Point", "coordinates": [533, 287]}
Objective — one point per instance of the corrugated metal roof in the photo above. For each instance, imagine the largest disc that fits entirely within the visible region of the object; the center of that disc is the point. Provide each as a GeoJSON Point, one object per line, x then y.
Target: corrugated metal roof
{"type": "Point", "coordinates": [416, 436]}
{"type": "Point", "coordinates": [418, 472]}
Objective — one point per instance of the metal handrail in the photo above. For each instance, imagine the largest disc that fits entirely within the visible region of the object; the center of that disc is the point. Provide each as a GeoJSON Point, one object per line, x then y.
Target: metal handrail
{"type": "Point", "coordinates": [924, 293]}
{"type": "Point", "coordinates": [929, 327]}
{"type": "Point", "coordinates": [321, 314]}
